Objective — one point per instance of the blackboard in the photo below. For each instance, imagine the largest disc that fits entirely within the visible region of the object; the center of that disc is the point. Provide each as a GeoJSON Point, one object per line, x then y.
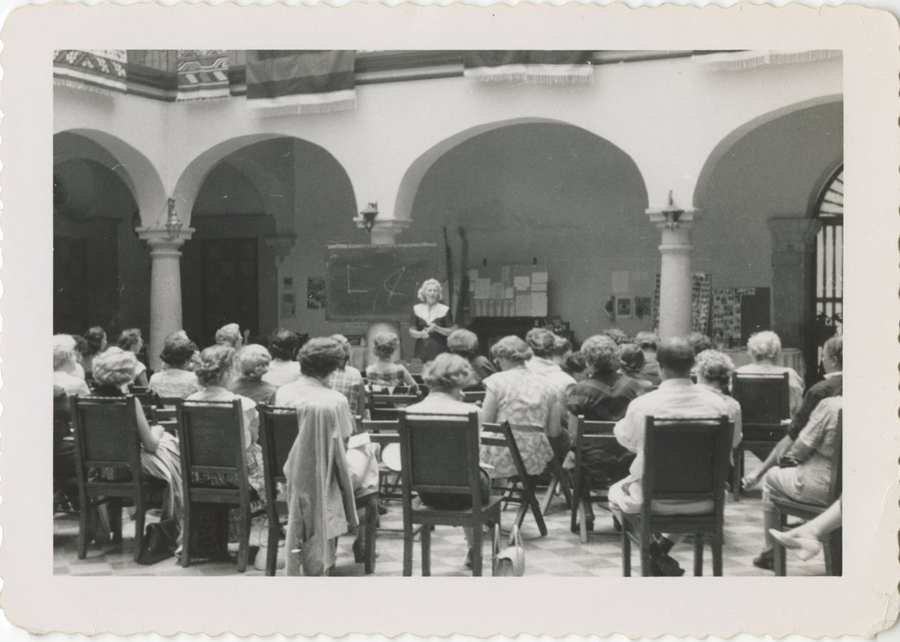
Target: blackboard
{"type": "Point", "coordinates": [376, 281]}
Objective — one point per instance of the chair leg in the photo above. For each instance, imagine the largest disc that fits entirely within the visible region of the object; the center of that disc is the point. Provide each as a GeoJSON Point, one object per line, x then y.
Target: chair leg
{"type": "Point", "coordinates": [834, 546]}
{"type": "Point", "coordinates": [426, 552]}
{"type": "Point", "coordinates": [646, 561]}
{"type": "Point", "coordinates": [139, 515]}
{"type": "Point", "coordinates": [186, 534]}
{"type": "Point", "coordinates": [114, 506]}
{"type": "Point", "coordinates": [476, 550]}
{"type": "Point", "coordinates": [576, 501]}
{"type": "Point", "coordinates": [626, 553]}
{"type": "Point", "coordinates": [717, 555]}
{"type": "Point", "coordinates": [83, 514]}
{"type": "Point", "coordinates": [737, 474]}
{"type": "Point", "coordinates": [582, 521]}
{"type": "Point", "coordinates": [371, 525]}
{"type": "Point", "coordinates": [780, 562]}
{"type": "Point", "coordinates": [698, 555]}
{"type": "Point", "coordinates": [548, 496]}
{"type": "Point", "coordinates": [407, 547]}
{"type": "Point", "coordinates": [528, 490]}
{"type": "Point", "coordinates": [244, 549]}
{"type": "Point", "coordinates": [272, 546]}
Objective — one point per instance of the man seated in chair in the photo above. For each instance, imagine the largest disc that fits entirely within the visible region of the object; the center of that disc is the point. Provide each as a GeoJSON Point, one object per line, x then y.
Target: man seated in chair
{"type": "Point", "coordinates": [677, 396]}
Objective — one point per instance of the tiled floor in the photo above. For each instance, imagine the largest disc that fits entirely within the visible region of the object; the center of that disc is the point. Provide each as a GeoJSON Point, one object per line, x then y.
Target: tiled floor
{"type": "Point", "coordinates": [559, 553]}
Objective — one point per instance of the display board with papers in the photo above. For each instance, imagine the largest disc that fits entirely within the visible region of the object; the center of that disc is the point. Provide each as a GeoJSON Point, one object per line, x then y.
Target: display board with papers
{"type": "Point", "coordinates": [509, 290]}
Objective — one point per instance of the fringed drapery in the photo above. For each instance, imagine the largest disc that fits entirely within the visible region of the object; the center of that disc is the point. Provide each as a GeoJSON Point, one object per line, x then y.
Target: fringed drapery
{"type": "Point", "coordinates": [98, 70]}
{"type": "Point", "coordinates": [534, 67]}
{"type": "Point", "coordinates": [202, 74]}
{"type": "Point", "coordinates": [743, 60]}
{"type": "Point", "coordinates": [298, 82]}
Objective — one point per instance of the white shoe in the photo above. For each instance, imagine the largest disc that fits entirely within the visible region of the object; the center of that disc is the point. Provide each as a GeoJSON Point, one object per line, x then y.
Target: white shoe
{"type": "Point", "coordinates": [809, 547]}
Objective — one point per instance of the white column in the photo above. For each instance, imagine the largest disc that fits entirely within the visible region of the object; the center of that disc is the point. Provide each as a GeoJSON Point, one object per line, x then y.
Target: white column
{"type": "Point", "coordinates": [676, 281]}
{"type": "Point", "coordinates": [165, 287]}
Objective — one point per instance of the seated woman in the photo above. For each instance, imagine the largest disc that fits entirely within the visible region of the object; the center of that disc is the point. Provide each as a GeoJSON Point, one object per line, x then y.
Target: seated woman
{"type": "Point", "coordinates": [251, 363]}
{"type": "Point", "coordinates": [575, 367]}
{"type": "Point", "coordinates": [647, 342]}
{"type": "Point", "coordinates": [633, 364]}
{"type": "Point", "coordinates": [465, 344]}
{"type": "Point", "coordinates": [808, 536]}
{"type": "Point", "coordinates": [384, 372]}
{"type": "Point", "coordinates": [96, 343]}
{"type": "Point", "coordinates": [809, 481]}
{"type": "Point", "coordinates": [765, 349]}
{"type": "Point", "coordinates": [176, 380]}
{"type": "Point", "coordinates": [714, 370]}
{"type": "Point", "coordinates": [213, 368]}
{"type": "Point", "coordinates": [348, 380]}
{"type": "Point", "coordinates": [131, 341]}
{"type": "Point", "coordinates": [64, 366]}
{"type": "Point", "coordinates": [113, 369]}
{"type": "Point", "coordinates": [562, 350]}
{"type": "Point", "coordinates": [604, 396]}
{"type": "Point", "coordinates": [446, 377]}
{"type": "Point", "coordinates": [284, 368]}
{"type": "Point", "coordinates": [229, 335]}
{"type": "Point", "coordinates": [528, 401]}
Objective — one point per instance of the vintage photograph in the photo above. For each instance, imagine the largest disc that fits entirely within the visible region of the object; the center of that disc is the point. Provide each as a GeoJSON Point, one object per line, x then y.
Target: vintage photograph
{"type": "Point", "coordinates": [530, 187]}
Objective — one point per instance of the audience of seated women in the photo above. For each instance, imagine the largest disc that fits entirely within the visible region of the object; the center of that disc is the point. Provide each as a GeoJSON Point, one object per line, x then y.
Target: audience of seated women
{"type": "Point", "coordinates": [96, 343]}
{"type": "Point", "coordinates": [575, 367]}
{"type": "Point", "coordinates": [714, 370]}
{"type": "Point", "coordinates": [229, 335]}
{"type": "Point", "coordinates": [528, 401]}
{"type": "Point", "coordinates": [284, 368]}
{"type": "Point", "coordinates": [176, 380]}
{"type": "Point", "coordinates": [131, 341]}
{"type": "Point", "coordinates": [542, 341]}
{"type": "Point", "coordinates": [113, 370]}
{"type": "Point", "coordinates": [647, 342]}
{"type": "Point", "coordinates": [384, 372]}
{"type": "Point", "coordinates": [446, 377]}
{"type": "Point", "coordinates": [348, 380]}
{"type": "Point", "coordinates": [603, 396]}
{"type": "Point", "coordinates": [251, 363]}
{"type": "Point", "coordinates": [765, 350]}
{"type": "Point", "coordinates": [465, 344]}
{"type": "Point", "coordinates": [808, 482]}
{"type": "Point", "coordinates": [64, 366]}
{"type": "Point", "coordinates": [633, 363]}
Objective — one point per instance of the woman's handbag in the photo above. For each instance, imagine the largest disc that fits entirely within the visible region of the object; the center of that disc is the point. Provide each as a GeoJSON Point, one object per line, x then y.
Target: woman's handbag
{"type": "Point", "coordinates": [510, 562]}
{"type": "Point", "coordinates": [160, 542]}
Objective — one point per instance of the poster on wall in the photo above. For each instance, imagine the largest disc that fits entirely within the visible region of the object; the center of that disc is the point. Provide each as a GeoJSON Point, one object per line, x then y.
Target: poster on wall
{"type": "Point", "coordinates": [315, 293]}
{"type": "Point", "coordinates": [624, 307]}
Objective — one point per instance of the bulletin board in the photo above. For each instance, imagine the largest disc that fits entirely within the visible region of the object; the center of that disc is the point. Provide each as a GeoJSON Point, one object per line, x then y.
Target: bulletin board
{"type": "Point", "coordinates": [509, 290]}
{"type": "Point", "coordinates": [701, 302]}
{"type": "Point", "coordinates": [739, 312]}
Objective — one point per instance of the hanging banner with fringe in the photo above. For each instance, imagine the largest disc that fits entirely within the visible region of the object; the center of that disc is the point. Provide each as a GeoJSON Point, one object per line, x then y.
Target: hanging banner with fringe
{"type": "Point", "coordinates": [99, 70]}
{"type": "Point", "coordinates": [742, 60]}
{"type": "Point", "coordinates": [202, 74]}
{"type": "Point", "coordinates": [534, 67]}
{"type": "Point", "coordinates": [283, 82]}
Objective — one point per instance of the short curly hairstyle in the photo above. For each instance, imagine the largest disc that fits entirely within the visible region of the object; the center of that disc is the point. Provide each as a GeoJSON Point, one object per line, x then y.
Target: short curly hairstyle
{"type": "Point", "coordinates": [320, 357]}
{"type": "Point", "coordinates": [213, 365]}
{"type": "Point", "coordinates": [632, 358]}
{"type": "Point", "coordinates": [601, 354]}
{"type": "Point", "coordinates": [129, 338]}
{"type": "Point", "coordinates": [834, 348]}
{"type": "Point", "coordinates": [420, 295]}
{"type": "Point", "coordinates": [229, 335]}
{"type": "Point", "coordinates": [448, 372]}
{"type": "Point", "coordinates": [96, 338]}
{"type": "Point", "coordinates": [765, 345]}
{"type": "Point", "coordinates": [715, 366]}
{"type": "Point", "coordinates": [63, 350]}
{"type": "Point", "coordinates": [574, 364]}
{"type": "Point", "coordinates": [617, 335]}
{"type": "Point", "coordinates": [463, 342]}
{"type": "Point", "coordinates": [384, 344]}
{"type": "Point", "coordinates": [647, 340]}
{"type": "Point", "coordinates": [699, 342]}
{"type": "Point", "coordinates": [540, 340]}
{"type": "Point", "coordinates": [561, 346]}
{"type": "Point", "coordinates": [252, 361]}
{"type": "Point", "coordinates": [345, 345]}
{"type": "Point", "coordinates": [114, 367]}
{"type": "Point", "coordinates": [511, 348]}
{"type": "Point", "coordinates": [283, 345]}
{"type": "Point", "coordinates": [177, 349]}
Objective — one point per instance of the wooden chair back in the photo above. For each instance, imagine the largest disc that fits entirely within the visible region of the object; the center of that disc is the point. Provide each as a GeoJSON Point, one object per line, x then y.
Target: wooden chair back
{"type": "Point", "coordinates": [384, 406]}
{"type": "Point", "coordinates": [765, 402]}
{"type": "Point", "coordinates": [587, 433]}
{"type": "Point", "coordinates": [106, 435]}
{"type": "Point", "coordinates": [474, 396]}
{"type": "Point", "coordinates": [277, 434]}
{"type": "Point", "coordinates": [211, 439]}
{"type": "Point", "coordinates": [440, 454]}
{"type": "Point", "coordinates": [686, 459]}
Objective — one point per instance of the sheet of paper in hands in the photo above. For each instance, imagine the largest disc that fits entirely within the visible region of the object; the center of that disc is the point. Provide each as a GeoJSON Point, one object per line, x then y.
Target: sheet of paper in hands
{"type": "Point", "coordinates": [189, 184]}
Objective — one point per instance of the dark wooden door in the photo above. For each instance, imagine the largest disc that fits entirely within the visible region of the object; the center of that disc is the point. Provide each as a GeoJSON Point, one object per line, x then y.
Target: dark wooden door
{"type": "Point", "coordinates": [230, 286]}
{"type": "Point", "coordinates": [85, 278]}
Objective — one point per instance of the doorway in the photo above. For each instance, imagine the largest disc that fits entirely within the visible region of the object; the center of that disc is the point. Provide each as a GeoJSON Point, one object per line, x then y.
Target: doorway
{"type": "Point", "coordinates": [229, 282]}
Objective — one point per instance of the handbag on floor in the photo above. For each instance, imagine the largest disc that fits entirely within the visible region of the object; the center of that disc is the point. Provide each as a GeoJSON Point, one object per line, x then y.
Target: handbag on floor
{"type": "Point", "coordinates": [160, 542]}
{"type": "Point", "coordinates": [510, 562]}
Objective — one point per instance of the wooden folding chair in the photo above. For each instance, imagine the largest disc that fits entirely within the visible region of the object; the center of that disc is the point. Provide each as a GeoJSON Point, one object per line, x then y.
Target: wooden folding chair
{"type": "Point", "coordinates": [589, 433]}
{"type": "Point", "coordinates": [684, 460]}
{"type": "Point", "coordinates": [440, 455]}
{"type": "Point", "coordinates": [834, 540]}
{"type": "Point", "coordinates": [521, 490]}
{"type": "Point", "coordinates": [765, 404]}
{"type": "Point", "coordinates": [474, 396]}
{"type": "Point", "coordinates": [384, 406]}
{"type": "Point", "coordinates": [106, 436]}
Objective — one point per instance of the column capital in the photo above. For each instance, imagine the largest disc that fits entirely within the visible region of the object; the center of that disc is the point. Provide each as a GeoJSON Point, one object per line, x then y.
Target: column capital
{"type": "Point", "coordinates": [793, 233]}
{"type": "Point", "coordinates": [671, 219]}
{"type": "Point", "coordinates": [282, 245]}
{"type": "Point", "coordinates": [385, 231]}
{"type": "Point", "coordinates": [159, 241]}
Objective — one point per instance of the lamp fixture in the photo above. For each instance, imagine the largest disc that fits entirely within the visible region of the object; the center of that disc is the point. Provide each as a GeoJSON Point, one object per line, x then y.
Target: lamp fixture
{"type": "Point", "coordinates": [173, 223]}
{"type": "Point", "coordinates": [369, 215]}
{"type": "Point", "coordinates": [672, 213]}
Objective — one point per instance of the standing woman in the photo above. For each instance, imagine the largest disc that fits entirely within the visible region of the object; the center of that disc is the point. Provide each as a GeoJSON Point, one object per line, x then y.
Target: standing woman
{"type": "Point", "coordinates": [431, 322]}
